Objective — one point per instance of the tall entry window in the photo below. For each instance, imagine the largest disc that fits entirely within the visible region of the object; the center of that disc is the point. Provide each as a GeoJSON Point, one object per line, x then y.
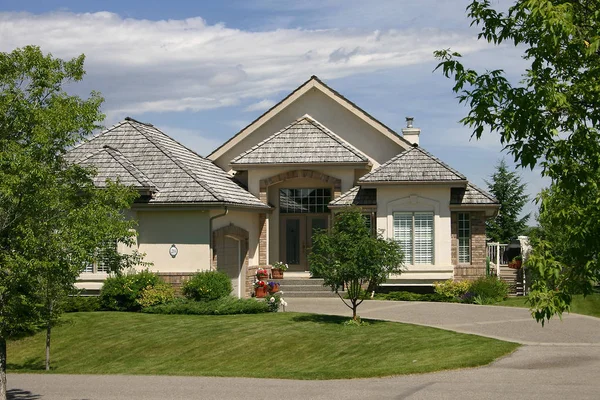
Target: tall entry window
{"type": "Point", "coordinates": [464, 238]}
{"type": "Point", "coordinates": [304, 201]}
{"type": "Point", "coordinates": [414, 232]}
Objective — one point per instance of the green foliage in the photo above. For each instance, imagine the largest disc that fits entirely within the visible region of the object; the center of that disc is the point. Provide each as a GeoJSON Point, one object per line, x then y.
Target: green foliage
{"type": "Point", "coordinates": [409, 296]}
{"type": "Point", "coordinates": [487, 290]}
{"type": "Point", "coordinates": [350, 257]}
{"type": "Point", "coordinates": [160, 293]}
{"type": "Point", "coordinates": [123, 292]}
{"type": "Point", "coordinates": [52, 218]}
{"type": "Point", "coordinates": [207, 285]}
{"type": "Point", "coordinates": [551, 118]}
{"type": "Point", "coordinates": [81, 304]}
{"type": "Point", "coordinates": [506, 186]}
{"type": "Point", "coordinates": [452, 289]}
{"type": "Point", "coordinates": [222, 306]}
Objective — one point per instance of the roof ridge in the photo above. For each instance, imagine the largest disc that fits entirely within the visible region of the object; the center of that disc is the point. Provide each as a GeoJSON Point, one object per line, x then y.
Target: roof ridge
{"type": "Point", "coordinates": [483, 192]}
{"type": "Point", "coordinates": [345, 194]}
{"type": "Point", "coordinates": [178, 162]}
{"type": "Point", "coordinates": [129, 166]}
{"type": "Point", "coordinates": [443, 164]}
{"type": "Point", "coordinates": [314, 78]}
{"type": "Point", "coordinates": [385, 164]}
{"type": "Point", "coordinates": [335, 137]}
{"type": "Point", "coordinates": [268, 139]}
{"type": "Point", "coordinates": [97, 136]}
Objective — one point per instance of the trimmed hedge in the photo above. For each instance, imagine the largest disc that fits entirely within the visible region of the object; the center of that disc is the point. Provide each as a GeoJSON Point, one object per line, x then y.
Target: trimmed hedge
{"type": "Point", "coordinates": [223, 306]}
{"type": "Point", "coordinates": [409, 296]}
{"type": "Point", "coordinates": [81, 304]}
{"type": "Point", "coordinates": [207, 285]}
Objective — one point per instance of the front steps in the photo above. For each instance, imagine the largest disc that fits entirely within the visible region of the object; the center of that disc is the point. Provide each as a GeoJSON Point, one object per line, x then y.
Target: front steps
{"type": "Point", "coordinates": [303, 287]}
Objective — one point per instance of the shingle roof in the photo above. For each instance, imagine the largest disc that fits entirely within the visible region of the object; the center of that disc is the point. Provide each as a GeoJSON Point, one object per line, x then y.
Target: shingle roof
{"type": "Point", "coordinates": [304, 141]}
{"type": "Point", "coordinates": [413, 165]}
{"type": "Point", "coordinates": [111, 164]}
{"type": "Point", "coordinates": [471, 195]}
{"type": "Point", "coordinates": [141, 155]}
{"type": "Point", "coordinates": [356, 196]}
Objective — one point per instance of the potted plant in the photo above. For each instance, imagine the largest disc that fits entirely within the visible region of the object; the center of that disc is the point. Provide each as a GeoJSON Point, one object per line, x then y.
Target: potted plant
{"type": "Point", "coordinates": [273, 287]}
{"type": "Point", "coordinates": [260, 289]}
{"type": "Point", "coordinates": [516, 262]}
{"type": "Point", "coordinates": [262, 274]}
{"type": "Point", "coordinates": [278, 269]}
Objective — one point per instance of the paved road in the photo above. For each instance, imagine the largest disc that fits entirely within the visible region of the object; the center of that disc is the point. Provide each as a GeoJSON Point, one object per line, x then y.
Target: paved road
{"type": "Point", "coordinates": [559, 361]}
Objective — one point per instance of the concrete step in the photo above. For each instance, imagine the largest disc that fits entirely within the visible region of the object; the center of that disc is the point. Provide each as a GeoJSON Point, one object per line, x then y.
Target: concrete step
{"type": "Point", "coordinates": [299, 281]}
{"type": "Point", "coordinates": [318, 294]}
{"type": "Point", "coordinates": [304, 288]}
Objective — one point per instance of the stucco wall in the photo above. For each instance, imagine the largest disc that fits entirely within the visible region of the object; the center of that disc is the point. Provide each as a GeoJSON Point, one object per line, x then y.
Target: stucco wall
{"type": "Point", "coordinates": [418, 198]}
{"type": "Point", "coordinates": [328, 112]}
{"type": "Point", "coordinates": [188, 230]}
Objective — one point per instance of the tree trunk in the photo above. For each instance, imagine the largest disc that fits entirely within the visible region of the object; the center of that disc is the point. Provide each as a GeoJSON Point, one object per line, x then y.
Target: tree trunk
{"type": "Point", "coordinates": [48, 332]}
{"type": "Point", "coordinates": [2, 368]}
{"type": "Point", "coordinates": [354, 307]}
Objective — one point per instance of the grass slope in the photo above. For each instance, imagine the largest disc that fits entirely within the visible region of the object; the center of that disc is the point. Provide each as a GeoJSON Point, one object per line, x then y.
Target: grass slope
{"type": "Point", "coordinates": [586, 306]}
{"type": "Point", "coordinates": [281, 345]}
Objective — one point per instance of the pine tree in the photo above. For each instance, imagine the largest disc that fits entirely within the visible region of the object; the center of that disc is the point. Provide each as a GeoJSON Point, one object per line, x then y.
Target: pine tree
{"type": "Point", "coordinates": [508, 189]}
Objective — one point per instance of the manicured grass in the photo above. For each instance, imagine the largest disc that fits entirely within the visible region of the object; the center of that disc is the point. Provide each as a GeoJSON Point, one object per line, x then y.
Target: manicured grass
{"type": "Point", "coordinates": [279, 345]}
{"type": "Point", "coordinates": [588, 306]}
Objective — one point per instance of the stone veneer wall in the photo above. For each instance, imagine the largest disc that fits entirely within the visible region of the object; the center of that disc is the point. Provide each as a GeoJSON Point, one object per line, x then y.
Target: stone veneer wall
{"type": "Point", "coordinates": [175, 279]}
{"type": "Point", "coordinates": [476, 268]}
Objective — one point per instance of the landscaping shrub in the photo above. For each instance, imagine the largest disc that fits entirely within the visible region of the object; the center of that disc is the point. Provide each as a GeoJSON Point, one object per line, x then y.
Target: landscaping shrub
{"type": "Point", "coordinates": [410, 296]}
{"type": "Point", "coordinates": [122, 292]}
{"type": "Point", "coordinates": [81, 304]}
{"type": "Point", "coordinates": [223, 306]}
{"type": "Point", "coordinates": [207, 285]}
{"type": "Point", "coordinates": [160, 293]}
{"type": "Point", "coordinates": [487, 290]}
{"type": "Point", "coordinates": [452, 289]}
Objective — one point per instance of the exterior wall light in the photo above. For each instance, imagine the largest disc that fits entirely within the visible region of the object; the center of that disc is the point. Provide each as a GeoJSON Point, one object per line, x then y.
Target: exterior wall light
{"type": "Point", "coordinates": [173, 251]}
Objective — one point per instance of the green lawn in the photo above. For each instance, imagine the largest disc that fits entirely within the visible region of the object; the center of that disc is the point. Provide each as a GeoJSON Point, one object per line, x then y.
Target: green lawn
{"type": "Point", "coordinates": [588, 306]}
{"type": "Point", "coordinates": [280, 345]}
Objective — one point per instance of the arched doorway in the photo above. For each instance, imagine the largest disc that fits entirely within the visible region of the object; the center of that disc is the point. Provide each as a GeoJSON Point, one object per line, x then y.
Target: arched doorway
{"type": "Point", "coordinates": [230, 255]}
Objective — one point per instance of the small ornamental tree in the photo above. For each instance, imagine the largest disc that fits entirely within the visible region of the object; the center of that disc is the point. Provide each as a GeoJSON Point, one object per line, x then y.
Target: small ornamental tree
{"type": "Point", "coordinates": [52, 217]}
{"type": "Point", "coordinates": [507, 188]}
{"type": "Point", "coordinates": [350, 257]}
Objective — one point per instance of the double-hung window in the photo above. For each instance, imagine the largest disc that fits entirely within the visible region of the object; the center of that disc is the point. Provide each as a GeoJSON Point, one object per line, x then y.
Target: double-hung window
{"type": "Point", "coordinates": [464, 238]}
{"type": "Point", "coordinates": [414, 232]}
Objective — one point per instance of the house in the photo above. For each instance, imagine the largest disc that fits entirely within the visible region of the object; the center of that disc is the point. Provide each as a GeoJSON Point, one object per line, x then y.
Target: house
{"type": "Point", "coordinates": [256, 199]}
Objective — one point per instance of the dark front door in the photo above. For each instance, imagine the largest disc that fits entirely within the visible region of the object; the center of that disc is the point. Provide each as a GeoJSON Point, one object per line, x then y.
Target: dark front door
{"type": "Point", "coordinates": [296, 238]}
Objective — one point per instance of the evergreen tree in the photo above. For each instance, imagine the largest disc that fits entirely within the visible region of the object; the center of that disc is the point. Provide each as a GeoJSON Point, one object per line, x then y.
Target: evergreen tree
{"type": "Point", "coordinates": [506, 186]}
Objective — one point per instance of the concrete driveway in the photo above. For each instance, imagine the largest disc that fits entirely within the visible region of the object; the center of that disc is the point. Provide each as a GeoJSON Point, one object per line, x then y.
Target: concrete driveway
{"type": "Point", "coordinates": [559, 361]}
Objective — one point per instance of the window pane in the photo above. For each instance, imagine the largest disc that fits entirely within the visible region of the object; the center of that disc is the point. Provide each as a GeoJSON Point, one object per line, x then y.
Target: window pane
{"type": "Point", "coordinates": [304, 200]}
{"type": "Point", "coordinates": [403, 234]}
{"type": "Point", "coordinates": [464, 238]}
{"type": "Point", "coordinates": [423, 238]}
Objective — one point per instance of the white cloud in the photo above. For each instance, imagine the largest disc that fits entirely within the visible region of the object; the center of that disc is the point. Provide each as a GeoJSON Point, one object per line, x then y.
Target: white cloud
{"type": "Point", "coordinates": [260, 106]}
{"type": "Point", "coordinates": [188, 65]}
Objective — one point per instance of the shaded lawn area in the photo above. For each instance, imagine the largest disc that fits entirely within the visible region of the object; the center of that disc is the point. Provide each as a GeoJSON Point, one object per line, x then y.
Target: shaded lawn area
{"type": "Point", "coordinates": [588, 306]}
{"type": "Point", "coordinates": [279, 345]}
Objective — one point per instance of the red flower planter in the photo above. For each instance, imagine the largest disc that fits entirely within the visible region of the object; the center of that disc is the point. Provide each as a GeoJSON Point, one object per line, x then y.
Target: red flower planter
{"type": "Point", "coordinates": [260, 292]}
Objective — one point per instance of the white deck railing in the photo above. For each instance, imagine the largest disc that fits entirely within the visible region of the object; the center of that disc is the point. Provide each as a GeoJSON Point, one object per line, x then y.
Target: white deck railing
{"type": "Point", "coordinates": [497, 255]}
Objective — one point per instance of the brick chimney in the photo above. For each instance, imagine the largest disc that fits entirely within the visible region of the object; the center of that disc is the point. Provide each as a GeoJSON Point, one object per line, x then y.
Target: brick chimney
{"type": "Point", "coordinates": [411, 134]}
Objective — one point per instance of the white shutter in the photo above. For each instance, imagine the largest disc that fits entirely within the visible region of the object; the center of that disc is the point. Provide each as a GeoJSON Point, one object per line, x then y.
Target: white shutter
{"type": "Point", "coordinates": [403, 234]}
{"type": "Point", "coordinates": [423, 238]}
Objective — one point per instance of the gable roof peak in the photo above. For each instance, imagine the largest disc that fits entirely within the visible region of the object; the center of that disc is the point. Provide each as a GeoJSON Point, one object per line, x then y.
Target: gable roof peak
{"type": "Point", "coordinates": [139, 122]}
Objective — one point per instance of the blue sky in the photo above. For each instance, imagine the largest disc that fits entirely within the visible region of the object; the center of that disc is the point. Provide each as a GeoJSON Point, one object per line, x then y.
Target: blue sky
{"type": "Point", "coordinates": [202, 70]}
